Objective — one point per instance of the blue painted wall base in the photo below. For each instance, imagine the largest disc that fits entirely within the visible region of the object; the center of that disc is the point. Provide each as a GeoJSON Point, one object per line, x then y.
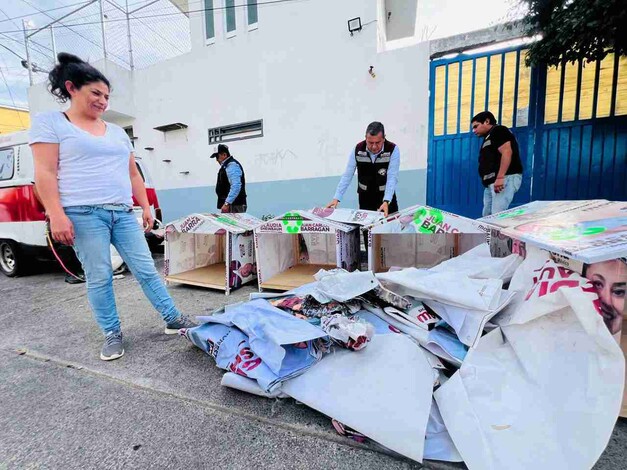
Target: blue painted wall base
{"type": "Point", "coordinates": [276, 197]}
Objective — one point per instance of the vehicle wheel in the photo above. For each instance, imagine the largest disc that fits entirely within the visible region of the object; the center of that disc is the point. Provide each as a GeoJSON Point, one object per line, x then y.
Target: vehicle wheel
{"type": "Point", "coordinates": [155, 244]}
{"type": "Point", "coordinates": [10, 258]}
{"type": "Point", "coordinates": [121, 270]}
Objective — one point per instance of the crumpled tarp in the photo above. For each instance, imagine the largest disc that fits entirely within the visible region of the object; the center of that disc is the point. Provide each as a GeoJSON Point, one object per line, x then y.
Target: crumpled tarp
{"type": "Point", "coordinates": [268, 329]}
{"type": "Point", "coordinates": [446, 345]}
{"type": "Point", "coordinates": [419, 334]}
{"type": "Point", "coordinates": [468, 323]}
{"type": "Point", "coordinates": [244, 384]}
{"type": "Point", "coordinates": [381, 327]}
{"type": "Point", "coordinates": [341, 285]}
{"type": "Point", "coordinates": [383, 391]}
{"type": "Point", "coordinates": [447, 287]}
{"type": "Point", "coordinates": [541, 392]}
{"type": "Point", "coordinates": [307, 307]}
{"type": "Point", "coordinates": [478, 264]}
{"type": "Point", "coordinates": [350, 333]}
{"type": "Point", "coordinates": [232, 351]}
{"type": "Point", "coordinates": [438, 442]}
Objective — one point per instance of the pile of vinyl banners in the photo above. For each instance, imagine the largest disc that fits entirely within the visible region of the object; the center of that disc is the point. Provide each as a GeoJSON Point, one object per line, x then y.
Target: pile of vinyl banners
{"type": "Point", "coordinates": [496, 362]}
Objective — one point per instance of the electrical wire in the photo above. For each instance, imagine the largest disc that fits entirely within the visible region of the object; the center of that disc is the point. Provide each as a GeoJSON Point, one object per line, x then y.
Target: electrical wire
{"type": "Point", "coordinates": [189, 3]}
{"type": "Point", "coordinates": [49, 10]}
{"type": "Point", "coordinates": [173, 37]}
{"type": "Point", "coordinates": [69, 6]}
{"type": "Point", "coordinates": [34, 43]}
{"type": "Point", "coordinates": [153, 42]}
{"type": "Point", "coordinates": [196, 2]}
{"type": "Point", "coordinates": [70, 28]}
{"type": "Point", "coordinates": [12, 52]}
{"type": "Point", "coordinates": [154, 31]}
{"type": "Point", "coordinates": [166, 41]}
{"type": "Point", "coordinates": [163, 15]}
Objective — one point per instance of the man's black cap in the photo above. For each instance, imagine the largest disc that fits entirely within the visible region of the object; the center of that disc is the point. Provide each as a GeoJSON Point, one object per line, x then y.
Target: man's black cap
{"type": "Point", "coordinates": [221, 149]}
{"type": "Point", "coordinates": [224, 149]}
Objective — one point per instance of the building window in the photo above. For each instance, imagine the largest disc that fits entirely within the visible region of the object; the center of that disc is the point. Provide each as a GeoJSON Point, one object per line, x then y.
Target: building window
{"type": "Point", "coordinates": [210, 31]}
{"type": "Point", "coordinates": [241, 131]}
{"type": "Point", "coordinates": [253, 17]}
{"type": "Point", "coordinates": [130, 134]}
{"type": "Point", "coordinates": [141, 172]}
{"type": "Point", "coordinates": [6, 164]}
{"type": "Point", "coordinates": [230, 18]}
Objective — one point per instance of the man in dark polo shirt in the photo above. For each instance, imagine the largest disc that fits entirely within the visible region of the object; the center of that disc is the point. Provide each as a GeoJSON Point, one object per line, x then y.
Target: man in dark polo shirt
{"type": "Point", "coordinates": [500, 167]}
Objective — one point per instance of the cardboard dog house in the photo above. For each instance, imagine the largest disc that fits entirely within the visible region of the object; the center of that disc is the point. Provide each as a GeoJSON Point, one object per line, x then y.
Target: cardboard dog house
{"type": "Point", "coordinates": [211, 250]}
{"type": "Point", "coordinates": [293, 247]}
{"type": "Point", "coordinates": [587, 237]}
{"type": "Point", "coordinates": [421, 237]}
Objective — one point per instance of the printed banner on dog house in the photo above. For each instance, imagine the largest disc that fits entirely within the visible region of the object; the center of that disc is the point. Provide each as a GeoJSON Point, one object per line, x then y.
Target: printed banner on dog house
{"type": "Point", "coordinates": [421, 237]}
{"type": "Point", "coordinates": [587, 237]}
{"type": "Point", "coordinates": [349, 216]}
{"type": "Point", "coordinates": [587, 231]}
{"type": "Point", "coordinates": [291, 248]}
{"type": "Point", "coordinates": [211, 250]}
{"type": "Point", "coordinates": [502, 245]}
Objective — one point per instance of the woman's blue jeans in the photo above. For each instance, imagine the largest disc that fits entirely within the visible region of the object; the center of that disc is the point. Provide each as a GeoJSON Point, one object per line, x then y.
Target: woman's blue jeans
{"type": "Point", "coordinates": [95, 229]}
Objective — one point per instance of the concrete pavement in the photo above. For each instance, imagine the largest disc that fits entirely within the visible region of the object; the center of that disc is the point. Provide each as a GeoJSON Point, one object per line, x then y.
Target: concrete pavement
{"type": "Point", "coordinates": [161, 405]}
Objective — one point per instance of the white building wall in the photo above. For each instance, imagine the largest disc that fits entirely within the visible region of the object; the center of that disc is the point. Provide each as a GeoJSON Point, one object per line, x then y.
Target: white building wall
{"type": "Point", "coordinates": [307, 78]}
{"type": "Point", "coordinates": [401, 19]}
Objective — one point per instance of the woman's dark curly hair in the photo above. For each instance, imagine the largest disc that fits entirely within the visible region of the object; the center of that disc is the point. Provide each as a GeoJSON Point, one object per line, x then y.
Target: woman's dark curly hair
{"type": "Point", "coordinates": [74, 69]}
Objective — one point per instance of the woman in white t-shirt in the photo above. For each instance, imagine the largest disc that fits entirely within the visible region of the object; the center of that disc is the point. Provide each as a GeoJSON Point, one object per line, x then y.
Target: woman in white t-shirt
{"type": "Point", "coordinates": [86, 177]}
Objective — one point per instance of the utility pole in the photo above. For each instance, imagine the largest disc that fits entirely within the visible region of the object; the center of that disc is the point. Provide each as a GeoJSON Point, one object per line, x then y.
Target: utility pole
{"type": "Point", "coordinates": [54, 45]}
{"type": "Point", "coordinates": [130, 42]}
{"type": "Point", "coordinates": [28, 64]}
{"type": "Point", "coordinates": [102, 25]}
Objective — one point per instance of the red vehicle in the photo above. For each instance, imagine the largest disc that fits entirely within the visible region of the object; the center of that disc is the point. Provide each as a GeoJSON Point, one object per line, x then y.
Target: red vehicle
{"type": "Point", "coordinates": [22, 217]}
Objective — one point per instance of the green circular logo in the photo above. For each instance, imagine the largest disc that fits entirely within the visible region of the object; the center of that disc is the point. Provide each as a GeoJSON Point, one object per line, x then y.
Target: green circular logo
{"type": "Point", "coordinates": [592, 231]}
{"type": "Point", "coordinates": [226, 220]}
{"type": "Point", "coordinates": [575, 232]}
{"type": "Point", "coordinates": [421, 215]}
{"type": "Point", "coordinates": [515, 213]}
{"type": "Point", "coordinates": [292, 222]}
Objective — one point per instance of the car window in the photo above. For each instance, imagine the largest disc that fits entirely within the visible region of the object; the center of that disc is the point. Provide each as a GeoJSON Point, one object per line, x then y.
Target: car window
{"type": "Point", "coordinates": [139, 168]}
{"type": "Point", "coordinates": [6, 164]}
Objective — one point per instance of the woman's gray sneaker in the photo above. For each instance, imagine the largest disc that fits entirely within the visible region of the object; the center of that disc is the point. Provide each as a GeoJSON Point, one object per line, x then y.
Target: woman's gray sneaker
{"type": "Point", "coordinates": [181, 322]}
{"type": "Point", "coordinates": [112, 347]}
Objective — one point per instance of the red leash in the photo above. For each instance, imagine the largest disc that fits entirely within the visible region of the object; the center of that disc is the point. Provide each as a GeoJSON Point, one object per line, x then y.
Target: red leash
{"type": "Point", "coordinates": [54, 252]}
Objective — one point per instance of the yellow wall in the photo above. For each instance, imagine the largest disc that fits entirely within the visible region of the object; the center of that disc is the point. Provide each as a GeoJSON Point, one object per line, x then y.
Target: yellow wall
{"type": "Point", "coordinates": [499, 94]}
{"type": "Point", "coordinates": [487, 86]}
{"type": "Point", "coordinates": [13, 120]}
{"type": "Point", "coordinates": [586, 98]}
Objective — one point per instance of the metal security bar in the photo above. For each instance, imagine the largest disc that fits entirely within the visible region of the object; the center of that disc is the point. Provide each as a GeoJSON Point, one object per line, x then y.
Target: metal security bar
{"type": "Point", "coordinates": [232, 132]}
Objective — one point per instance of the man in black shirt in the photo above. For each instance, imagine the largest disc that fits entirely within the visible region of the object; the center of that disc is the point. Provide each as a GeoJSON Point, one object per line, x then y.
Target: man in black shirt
{"type": "Point", "coordinates": [500, 167]}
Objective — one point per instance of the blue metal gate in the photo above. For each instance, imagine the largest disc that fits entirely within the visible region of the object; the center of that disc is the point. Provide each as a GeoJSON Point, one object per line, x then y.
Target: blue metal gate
{"type": "Point", "coordinates": [570, 123]}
